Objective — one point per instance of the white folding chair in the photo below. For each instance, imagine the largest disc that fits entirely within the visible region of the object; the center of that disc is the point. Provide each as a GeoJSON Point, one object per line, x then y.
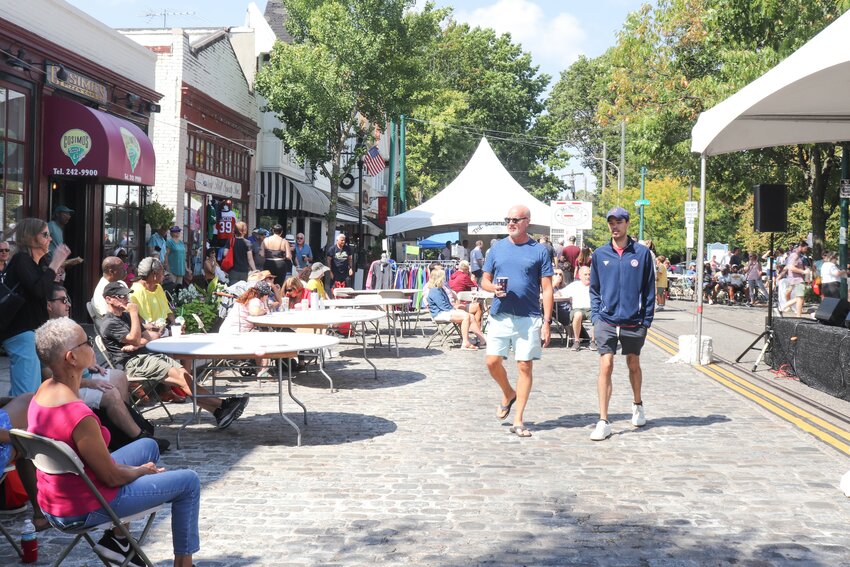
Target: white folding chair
{"type": "Point", "coordinates": [445, 332]}
{"type": "Point", "coordinates": [55, 457]}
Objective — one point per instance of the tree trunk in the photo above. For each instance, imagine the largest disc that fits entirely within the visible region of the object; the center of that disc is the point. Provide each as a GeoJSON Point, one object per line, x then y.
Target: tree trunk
{"type": "Point", "coordinates": [818, 173]}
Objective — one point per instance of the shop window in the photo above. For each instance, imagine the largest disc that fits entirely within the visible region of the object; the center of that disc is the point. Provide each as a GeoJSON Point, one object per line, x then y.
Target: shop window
{"type": "Point", "coordinates": [121, 214]}
{"type": "Point", "coordinates": [193, 225]}
{"type": "Point", "coordinates": [13, 131]}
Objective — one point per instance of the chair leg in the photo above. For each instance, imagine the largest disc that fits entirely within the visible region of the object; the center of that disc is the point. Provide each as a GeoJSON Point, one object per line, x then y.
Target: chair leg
{"type": "Point", "coordinates": [11, 541]}
{"type": "Point", "coordinates": [72, 545]}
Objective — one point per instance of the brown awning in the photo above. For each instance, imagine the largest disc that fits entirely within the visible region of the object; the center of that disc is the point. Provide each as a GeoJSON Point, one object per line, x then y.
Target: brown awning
{"type": "Point", "coordinates": [84, 142]}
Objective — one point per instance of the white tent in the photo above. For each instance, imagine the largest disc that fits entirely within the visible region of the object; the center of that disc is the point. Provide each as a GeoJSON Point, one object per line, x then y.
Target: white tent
{"type": "Point", "coordinates": [483, 192]}
{"type": "Point", "coordinates": [800, 101]}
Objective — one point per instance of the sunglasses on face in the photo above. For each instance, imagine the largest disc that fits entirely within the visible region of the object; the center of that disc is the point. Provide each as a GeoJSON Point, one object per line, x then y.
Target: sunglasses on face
{"type": "Point", "coordinates": [514, 220]}
{"type": "Point", "coordinates": [5, 250]}
{"type": "Point", "coordinates": [64, 300]}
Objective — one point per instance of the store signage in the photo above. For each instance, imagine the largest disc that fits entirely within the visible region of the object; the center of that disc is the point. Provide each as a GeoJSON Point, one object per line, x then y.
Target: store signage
{"type": "Point", "coordinates": [487, 228]}
{"type": "Point", "coordinates": [77, 84]}
{"type": "Point", "coordinates": [572, 214]}
{"type": "Point", "coordinates": [217, 186]}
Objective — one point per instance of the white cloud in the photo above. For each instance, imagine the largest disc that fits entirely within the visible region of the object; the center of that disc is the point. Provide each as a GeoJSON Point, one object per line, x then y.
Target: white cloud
{"type": "Point", "coordinates": [554, 41]}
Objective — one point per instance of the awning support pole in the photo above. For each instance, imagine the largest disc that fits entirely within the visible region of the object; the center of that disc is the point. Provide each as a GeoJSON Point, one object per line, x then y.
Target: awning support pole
{"type": "Point", "coordinates": [700, 258]}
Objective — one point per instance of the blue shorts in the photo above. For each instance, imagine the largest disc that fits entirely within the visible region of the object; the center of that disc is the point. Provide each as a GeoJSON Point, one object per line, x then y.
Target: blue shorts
{"type": "Point", "coordinates": [607, 336]}
{"type": "Point", "coordinates": [523, 333]}
{"type": "Point", "coordinates": [5, 448]}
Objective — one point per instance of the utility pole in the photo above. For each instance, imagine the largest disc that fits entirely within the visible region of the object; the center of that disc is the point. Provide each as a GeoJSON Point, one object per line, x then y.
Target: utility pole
{"type": "Point", "coordinates": [642, 198]}
{"type": "Point", "coordinates": [604, 165]}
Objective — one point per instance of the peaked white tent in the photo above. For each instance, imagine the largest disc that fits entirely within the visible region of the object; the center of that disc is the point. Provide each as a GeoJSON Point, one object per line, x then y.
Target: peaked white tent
{"type": "Point", "coordinates": [483, 192]}
{"type": "Point", "coordinates": [800, 101]}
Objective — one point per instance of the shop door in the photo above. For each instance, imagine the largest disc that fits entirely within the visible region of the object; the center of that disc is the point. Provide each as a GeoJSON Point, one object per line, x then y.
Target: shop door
{"type": "Point", "coordinates": [315, 240]}
{"type": "Point", "coordinates": [79, 235]}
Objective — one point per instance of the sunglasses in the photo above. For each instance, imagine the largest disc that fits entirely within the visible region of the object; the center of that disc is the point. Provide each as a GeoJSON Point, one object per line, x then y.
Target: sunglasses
{"type": "Point", "coordinates": [46, 234]}
{"type": "Point", "coordinates": [5, 249]}
{"type": "Point", "coordinates": [514, 220]}
{"type": "Point", "coordinates": [89, 341]}
{"type": "Point", "coordinates": [65, 300]}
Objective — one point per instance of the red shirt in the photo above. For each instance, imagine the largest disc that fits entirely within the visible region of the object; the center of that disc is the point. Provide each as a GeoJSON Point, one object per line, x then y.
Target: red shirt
{"type": "Point", "coordinates": [461, 281]}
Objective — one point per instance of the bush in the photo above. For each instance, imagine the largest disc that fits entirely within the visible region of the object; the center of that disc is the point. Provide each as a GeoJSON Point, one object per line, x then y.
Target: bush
{"type": "Point", "coordinates": [200, 302]}
{"type": "Point", "coordinates": [158, 215]}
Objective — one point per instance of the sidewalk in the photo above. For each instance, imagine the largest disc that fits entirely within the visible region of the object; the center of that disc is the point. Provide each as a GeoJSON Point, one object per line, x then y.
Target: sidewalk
{"type": "Point", "coordinates": [414, 469]}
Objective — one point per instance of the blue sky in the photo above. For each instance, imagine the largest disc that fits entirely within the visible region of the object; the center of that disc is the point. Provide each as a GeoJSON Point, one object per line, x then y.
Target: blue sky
{"type": "Point", "coordinates": [556, 32]}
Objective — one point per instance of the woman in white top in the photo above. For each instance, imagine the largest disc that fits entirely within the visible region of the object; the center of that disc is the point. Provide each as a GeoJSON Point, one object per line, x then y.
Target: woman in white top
{"type": "Point", "coordinates": [830, 284]}
{"type": "Point", "coordinates": [252, 303]}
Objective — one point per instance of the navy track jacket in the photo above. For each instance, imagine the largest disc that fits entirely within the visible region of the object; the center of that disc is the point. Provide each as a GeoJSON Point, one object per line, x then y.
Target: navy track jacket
{"type": "Point", "coordinates": [622, 288]}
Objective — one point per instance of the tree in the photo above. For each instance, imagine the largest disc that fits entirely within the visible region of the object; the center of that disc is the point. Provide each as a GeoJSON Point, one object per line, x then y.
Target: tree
{"type": "Point", "coordinates": [352, 63]}
{"type": "Point", "coordinates": [481, 84]}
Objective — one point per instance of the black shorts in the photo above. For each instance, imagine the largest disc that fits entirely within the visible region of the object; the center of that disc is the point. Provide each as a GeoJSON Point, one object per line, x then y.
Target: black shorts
{"type": "Point", "coordinates": [631, 339]}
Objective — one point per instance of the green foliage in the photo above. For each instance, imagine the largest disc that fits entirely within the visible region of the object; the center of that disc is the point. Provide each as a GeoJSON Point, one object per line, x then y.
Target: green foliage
{"type": "Point", "coordinates": [158, 215]}
{"type": "Point", "coordinates": [202, 302]}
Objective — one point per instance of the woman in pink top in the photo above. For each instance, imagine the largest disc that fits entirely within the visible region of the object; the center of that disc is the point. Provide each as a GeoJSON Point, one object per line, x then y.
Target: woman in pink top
{"type": "Point", "coordinates": [252, 303]}
{"type": "Point", "coordinates": [128, 478]}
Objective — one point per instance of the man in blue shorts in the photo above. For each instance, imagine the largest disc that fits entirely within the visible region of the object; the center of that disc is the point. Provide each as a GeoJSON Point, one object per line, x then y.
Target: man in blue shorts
{"type": "Point", "coordinates": [622, 304]}
{"type": "Point", "coordinates": [520, 267]}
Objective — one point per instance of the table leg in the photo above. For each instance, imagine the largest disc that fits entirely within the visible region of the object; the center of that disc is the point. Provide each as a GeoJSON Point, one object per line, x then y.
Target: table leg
{"type": "Point", "coordinates": [366, 356]}
{"type": "Point", "coordinates": [195, 410]}
{"type": "Point", "coordinates": [294, 399]}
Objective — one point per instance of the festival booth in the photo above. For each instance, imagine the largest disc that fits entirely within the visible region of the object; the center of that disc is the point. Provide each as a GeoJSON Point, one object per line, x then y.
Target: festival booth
{"type": "Point", "coordinates": [475, 203]}
{"type": "Point", "coordinates": [803, 100]}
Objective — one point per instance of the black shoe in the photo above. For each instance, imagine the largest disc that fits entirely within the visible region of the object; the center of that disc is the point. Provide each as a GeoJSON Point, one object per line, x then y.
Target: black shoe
{"type": "Point", "coordinates": [163, 444]}
{"type": "Point", "coordinates": [231, 408]}
{"type": "Point", "coordinates": [112, 549]}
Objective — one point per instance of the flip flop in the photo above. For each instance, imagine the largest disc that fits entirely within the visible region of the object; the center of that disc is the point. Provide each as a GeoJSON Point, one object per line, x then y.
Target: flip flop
{"type": "Point", "coordinates": [520, 431]}
{"type": "Point", "coordinates": [470, 347]}
{"type": "Point", "coordinates": [506, 410]}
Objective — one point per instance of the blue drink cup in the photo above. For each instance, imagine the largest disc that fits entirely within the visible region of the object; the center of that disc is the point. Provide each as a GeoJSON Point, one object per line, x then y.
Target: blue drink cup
{"type": "Point", "coordinates": [503, 282]}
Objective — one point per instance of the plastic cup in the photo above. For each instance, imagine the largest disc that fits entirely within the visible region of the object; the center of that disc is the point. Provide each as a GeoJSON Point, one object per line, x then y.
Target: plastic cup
{"type": "Point", "coordinates": [503, 282]}
{"type": "Point", "coordinates": [176, 330]}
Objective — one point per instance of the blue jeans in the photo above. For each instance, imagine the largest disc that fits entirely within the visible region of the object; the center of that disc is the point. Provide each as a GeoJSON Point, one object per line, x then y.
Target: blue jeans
{"type": "Point", "coordinates": [25, 369]}
{"type": "Point", "coordinates": [180, 487]}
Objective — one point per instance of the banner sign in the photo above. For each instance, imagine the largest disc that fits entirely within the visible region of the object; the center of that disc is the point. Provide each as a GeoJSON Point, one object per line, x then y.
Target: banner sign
{"type": "Point", "coordinates": [572, 214]}
{"type": "Point", "coordinates": [486, 228]}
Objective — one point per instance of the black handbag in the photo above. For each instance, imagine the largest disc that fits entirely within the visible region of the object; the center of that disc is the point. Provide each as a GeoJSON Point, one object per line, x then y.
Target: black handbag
{"type": "Point", "coordinates": [10, 303]}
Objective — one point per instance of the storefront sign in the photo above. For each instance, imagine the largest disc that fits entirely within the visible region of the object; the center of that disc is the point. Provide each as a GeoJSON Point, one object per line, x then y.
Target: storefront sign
{"type": "Point", "coordinates": [572, 214]}
{"type": "Point", "coordinates": [217, 186]}
{"type": "Point", "coordinates": [77, 84]}
{"type": "Point", "coordinates": [487, 228]}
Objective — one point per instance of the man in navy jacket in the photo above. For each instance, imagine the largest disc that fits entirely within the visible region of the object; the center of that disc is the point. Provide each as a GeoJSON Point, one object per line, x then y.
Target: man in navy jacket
{"type": "Point", "coordinates": [622, 304]}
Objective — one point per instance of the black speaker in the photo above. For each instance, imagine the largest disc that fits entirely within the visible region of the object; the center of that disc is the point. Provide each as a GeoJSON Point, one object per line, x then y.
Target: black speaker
{"type": "Point", "coordinates": [833, 311]}
{"type": "Point", "coordinates": [770, 212]}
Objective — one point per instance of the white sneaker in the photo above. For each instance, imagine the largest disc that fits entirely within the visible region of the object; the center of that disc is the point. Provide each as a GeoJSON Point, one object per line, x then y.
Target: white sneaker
{"type": "Point", "coordinates": [638, 417]}
{"type": "Point", "coordinates": [602, 431]}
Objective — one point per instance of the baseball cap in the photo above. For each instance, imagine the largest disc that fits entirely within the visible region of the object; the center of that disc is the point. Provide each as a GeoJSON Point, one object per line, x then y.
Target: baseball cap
{"type": "Point", "coordinates": [263, 288]}
{"type": "Point", "coordinates": [116, 289]}
{"type": "Point", "coordinates": [63, 209]}
{"type": "Point", "coordinates": [618, 213]}
{"type": "Point", "coordinates": [175, 229]}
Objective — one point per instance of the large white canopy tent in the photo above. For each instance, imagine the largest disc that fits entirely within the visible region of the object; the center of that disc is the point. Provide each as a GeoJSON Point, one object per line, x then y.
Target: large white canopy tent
{"type": "Point", "coordinates": [482, 193]}
{"type": "Point", "coordinates": [800, 101]}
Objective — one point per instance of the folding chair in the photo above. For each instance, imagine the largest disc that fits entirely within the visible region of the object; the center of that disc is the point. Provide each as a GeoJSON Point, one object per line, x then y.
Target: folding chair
{"type": "Point", "coordinates": [92, 313]}
{"type": "Point", "coordinates": [55, 457]}
{"type": "Point", "coordinates": [12, 541]}
{"type": "Point", "coordinates": [138, 389]}
{"type": "Point", "coordinates": [445, 331]}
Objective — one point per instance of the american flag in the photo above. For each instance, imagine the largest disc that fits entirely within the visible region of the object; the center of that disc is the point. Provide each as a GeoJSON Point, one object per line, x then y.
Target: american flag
{"type": "Point", "coordinates": [373, 161]}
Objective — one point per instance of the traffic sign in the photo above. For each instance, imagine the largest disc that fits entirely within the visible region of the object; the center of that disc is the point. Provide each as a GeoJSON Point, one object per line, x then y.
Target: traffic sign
{"type": "Point", "coordinates": [844, 189]}
{"type": "Point", "coordinates": [642, 202]}
{"type": "Point", "coordinates": [691, 209]}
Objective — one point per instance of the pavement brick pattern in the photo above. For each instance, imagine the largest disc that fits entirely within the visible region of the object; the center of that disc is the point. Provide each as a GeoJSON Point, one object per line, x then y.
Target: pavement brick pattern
{"type": "Point", "coordinates": [414, 469]}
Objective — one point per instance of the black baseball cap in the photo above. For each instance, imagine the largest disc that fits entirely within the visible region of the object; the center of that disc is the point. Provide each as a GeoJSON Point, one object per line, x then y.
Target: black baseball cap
{"type": "Point", "coordinates": [116, 289]}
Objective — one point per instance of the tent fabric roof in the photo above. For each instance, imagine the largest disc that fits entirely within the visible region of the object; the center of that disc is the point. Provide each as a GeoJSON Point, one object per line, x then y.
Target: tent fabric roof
{"type": "Point", "coordinates": [483, 192]}
{"type": "Point", "coordinates": [802, 100]}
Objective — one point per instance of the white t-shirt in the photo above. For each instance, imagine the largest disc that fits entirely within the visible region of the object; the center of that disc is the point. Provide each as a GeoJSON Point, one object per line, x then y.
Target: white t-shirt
{"type": "Point", "coordinates": [580, 294]}
{"type": "Point", "coordinates": [828, 272]}
{"type": "Point", "coordinates": [97, 300]}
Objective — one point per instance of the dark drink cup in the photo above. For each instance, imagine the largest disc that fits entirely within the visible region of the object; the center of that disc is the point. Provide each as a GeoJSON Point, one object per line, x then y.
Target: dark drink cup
{"type": "Point", "coordinates": [503, 282]}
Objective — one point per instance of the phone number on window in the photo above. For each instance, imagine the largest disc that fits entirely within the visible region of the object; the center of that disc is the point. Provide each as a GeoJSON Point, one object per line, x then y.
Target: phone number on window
{"type": "Point", "coordinates": [72, 171]}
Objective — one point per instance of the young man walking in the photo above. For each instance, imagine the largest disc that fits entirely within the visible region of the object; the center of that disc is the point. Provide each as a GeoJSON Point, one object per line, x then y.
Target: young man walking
{"type": "Point", "coordinates": [521, 268]}
{"type": "Point", "coordinates": [622, 305]}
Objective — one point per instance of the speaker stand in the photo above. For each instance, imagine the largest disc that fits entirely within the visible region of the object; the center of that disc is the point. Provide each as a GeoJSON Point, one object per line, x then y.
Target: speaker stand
{"type": "Point", "coordinates": [767, 334]}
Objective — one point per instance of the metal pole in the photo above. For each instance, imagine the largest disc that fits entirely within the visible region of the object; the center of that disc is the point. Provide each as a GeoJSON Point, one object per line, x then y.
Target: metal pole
{"type": "Point", "coordinates": [360, 213]}
{"type": "Point", "coordinates": [604, 165]}
{"type": "Point", "coordinates": [700, 256]}
{"type": "Point", "coordinates": [391, 186]}
{"type": "Point", "coordinates": [688, 250]}
{"type": "Point", "coordinates": [621, 175]}
{"type": "Point", "coordinates": [642, 198]}
{"type": "Point", "coordinates": [842, 231]}
{"type": "Point", "coordinates": [402, 197]}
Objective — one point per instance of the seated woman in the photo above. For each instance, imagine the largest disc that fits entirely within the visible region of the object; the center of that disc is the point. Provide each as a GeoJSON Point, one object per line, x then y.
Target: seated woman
{"type": "Point", "coordinates": [562, 308]}
{"type": "Point", "coordinates": [128, 478]}
{"type": "Point", "coordinates": [252, 303]}
{"type": "Point", "coordinates": [442, 310]}
{"type": "Point", "coordinates": [13, 415]}
{"type": "Point", "coordinates": [295, 294]}
{"type": "Point", "coordinates": [461, 280]}
{"type": "Point", "coordinates": [148, 294]}
{"type": "Point", "coordinates": [314, 283]}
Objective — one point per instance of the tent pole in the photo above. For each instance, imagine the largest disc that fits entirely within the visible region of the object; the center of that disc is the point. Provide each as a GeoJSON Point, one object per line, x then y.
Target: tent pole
{"type": "Point", "coordinates": [700, 258]}
{"type": "Point", "coordinates": [842, 230]}
{"type": "Point", "coordinates": [402, 167]}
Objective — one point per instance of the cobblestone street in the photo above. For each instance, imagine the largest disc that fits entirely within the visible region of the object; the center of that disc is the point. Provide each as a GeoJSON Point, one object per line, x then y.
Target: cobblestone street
{"type": "Point", "coordinates": [414, 468]}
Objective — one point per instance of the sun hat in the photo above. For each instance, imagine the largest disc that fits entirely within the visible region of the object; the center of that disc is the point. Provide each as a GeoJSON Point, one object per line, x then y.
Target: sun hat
{"type": "Point", "coordinates": [259, 275]}
{"type": "Point", "coordinates": [618, 213]}
{"type": "Point", "coordinates": [317, 270]}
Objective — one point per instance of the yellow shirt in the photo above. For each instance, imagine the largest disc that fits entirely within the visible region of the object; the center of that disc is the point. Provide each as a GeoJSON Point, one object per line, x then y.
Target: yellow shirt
{"type": "Point", "coordinates": [317, 286]}
{"type": "Point", "coordinates": [660, 275]}
{"type": "Point", "coordinates": [153, 305]}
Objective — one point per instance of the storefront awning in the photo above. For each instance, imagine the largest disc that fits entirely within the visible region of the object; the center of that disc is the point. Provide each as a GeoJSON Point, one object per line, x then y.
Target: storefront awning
{"type": "Point", "coordinates": [278, 192]}
{"type": "Point", "coordinates": [84, 142]}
